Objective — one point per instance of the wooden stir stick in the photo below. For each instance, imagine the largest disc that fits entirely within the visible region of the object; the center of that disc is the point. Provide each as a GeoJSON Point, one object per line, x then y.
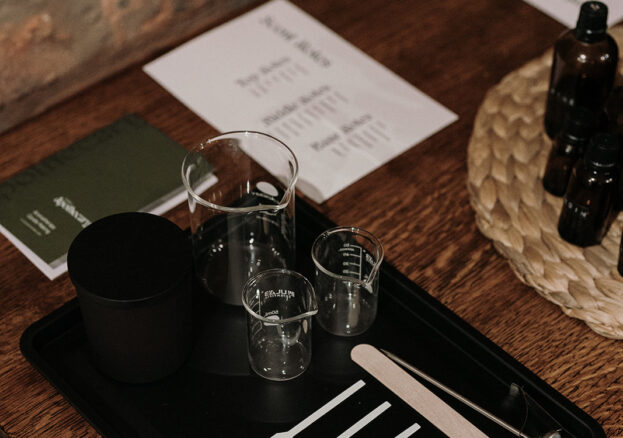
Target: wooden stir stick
{"type": "Point", "coordinates": [413, 393]}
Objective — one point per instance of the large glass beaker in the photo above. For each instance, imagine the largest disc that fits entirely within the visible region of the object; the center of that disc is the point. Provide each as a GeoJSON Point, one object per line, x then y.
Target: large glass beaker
{"type": "Point", "coordinates": [241, 201]}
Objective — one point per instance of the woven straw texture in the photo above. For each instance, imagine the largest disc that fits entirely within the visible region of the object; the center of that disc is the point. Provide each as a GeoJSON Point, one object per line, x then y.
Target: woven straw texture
{"type": "Point", "coordinates": [507, 154]}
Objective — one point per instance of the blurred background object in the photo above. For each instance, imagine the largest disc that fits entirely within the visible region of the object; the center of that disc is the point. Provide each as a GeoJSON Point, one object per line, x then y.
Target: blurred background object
{"type": "Point", "coordinates": [51, 49]}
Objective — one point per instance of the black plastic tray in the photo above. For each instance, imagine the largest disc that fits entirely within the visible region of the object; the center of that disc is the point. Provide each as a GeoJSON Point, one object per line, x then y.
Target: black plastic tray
{"type": "Point", "coordinates": [215, 393]}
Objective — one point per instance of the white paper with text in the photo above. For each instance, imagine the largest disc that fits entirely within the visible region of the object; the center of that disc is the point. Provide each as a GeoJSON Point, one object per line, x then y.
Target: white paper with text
{"type": "Point", "coordinates": [277, 70]}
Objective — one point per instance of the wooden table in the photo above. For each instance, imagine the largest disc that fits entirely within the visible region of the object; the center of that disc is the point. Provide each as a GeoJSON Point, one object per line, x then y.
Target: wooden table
{"type": "Point", "coordinates": [417, 204]}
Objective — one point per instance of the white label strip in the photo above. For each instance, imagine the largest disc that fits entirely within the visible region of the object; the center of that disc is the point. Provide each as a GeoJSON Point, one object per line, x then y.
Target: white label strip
{"type": "Point", "coordinates": [409, 431]}
{"type": "Point", "coordinates": [365, 420]}
{"type": "Point", "coordinates": [323, 410]}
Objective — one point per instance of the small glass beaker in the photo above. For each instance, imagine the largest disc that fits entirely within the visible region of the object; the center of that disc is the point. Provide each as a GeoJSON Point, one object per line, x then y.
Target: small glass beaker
{"type": "Point", "coordinates": [347, 263]}
{"type": "Point", "coordinates": [280, 305]}
{"type": "Point", "coordinates": [241, 200]}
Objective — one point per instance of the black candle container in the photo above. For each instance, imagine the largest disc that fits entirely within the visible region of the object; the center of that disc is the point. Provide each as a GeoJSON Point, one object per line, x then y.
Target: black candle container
{"type": "Point", "coordinates": [132, 274]}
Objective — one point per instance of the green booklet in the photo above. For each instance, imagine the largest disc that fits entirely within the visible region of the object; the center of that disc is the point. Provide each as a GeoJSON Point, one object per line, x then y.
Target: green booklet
{"type": "Point", "coordinates": [126, 166]}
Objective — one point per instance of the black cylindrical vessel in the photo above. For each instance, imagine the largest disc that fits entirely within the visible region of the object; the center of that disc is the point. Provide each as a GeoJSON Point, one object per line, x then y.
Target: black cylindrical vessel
{"type": "Point", "coordinates": [132, 274]}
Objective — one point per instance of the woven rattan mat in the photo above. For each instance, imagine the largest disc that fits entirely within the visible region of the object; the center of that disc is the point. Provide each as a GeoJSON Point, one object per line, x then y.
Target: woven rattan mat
{"type": "Point", "coordinates": [507, 153]}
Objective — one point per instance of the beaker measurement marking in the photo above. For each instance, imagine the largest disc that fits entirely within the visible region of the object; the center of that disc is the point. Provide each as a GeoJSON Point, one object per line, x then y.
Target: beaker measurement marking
{"type": "Point", "coordinates": [365, 420]}
{"type": "Point", "coordinates": [356, 252]}
{"type": "Point", "coordinates": [274, 317]}
{"type": "Point", "coordinates": [322, 410]}
{"type": "Point", "coordinates": [349, 248]}
{"type": "Point", "coordinates": [346, 271]}
{"type": "Point", "coordinates": [409, 431]}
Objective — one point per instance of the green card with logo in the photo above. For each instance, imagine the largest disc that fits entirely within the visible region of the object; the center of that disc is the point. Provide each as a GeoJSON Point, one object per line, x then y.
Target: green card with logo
{"type": "Point", "coordinates": [126, 166]}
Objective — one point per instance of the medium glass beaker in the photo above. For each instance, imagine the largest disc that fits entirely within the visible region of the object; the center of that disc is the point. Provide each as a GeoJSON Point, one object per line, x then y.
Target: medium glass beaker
{"type": "Point", "coordinates": [347, 263]}
{"type": "Point", "coordinates": [241, 200]}
{"type": "Point", "coordinates": [280, 305]}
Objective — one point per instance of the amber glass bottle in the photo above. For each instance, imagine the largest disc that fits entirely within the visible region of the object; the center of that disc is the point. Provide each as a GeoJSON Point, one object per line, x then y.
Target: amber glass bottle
{"type": "Point", "coordinates": [583, 67]}
{"type": "Point", "coordinates": [587, 208]}
{"type": "Point", "coordinates": [615, 119]}
{"type": "Point", "coordinates": [567, 149]}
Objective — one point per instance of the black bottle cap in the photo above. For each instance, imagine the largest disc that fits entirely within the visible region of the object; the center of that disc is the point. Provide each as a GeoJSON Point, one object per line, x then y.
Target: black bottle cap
{"type": "Point", "coordinates": [603, 150]}
{"type": "Point", "coordinates": [592, 21]}
{"type": "Point", "coordinates": [578, 126]}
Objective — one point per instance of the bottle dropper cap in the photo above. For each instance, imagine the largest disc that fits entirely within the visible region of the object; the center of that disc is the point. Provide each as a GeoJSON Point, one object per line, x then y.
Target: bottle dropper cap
{"type": "Point", "coordinates": [578, 125]}
{"type": "Point", "coordinates": [592, 21]}
{"type": "Point", "coordinates": [603, 151]}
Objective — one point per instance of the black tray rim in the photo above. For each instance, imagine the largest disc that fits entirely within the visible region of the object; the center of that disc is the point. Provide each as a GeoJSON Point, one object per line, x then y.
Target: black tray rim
{"type": "Point", "coordinates": [30, 340]}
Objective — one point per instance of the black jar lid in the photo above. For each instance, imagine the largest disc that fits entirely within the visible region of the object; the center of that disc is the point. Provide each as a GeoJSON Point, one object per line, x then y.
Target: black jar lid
{"type": "Point", "coordinates": [129, 257]}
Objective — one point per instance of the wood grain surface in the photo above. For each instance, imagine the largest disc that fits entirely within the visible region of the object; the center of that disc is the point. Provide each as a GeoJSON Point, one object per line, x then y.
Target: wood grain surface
{"type": "Point", "coordinates": [417, 204]}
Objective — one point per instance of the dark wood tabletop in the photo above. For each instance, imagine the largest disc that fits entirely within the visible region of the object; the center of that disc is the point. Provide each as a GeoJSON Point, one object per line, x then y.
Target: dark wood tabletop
{"type": "Point", "coordinates": [417, 204]}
